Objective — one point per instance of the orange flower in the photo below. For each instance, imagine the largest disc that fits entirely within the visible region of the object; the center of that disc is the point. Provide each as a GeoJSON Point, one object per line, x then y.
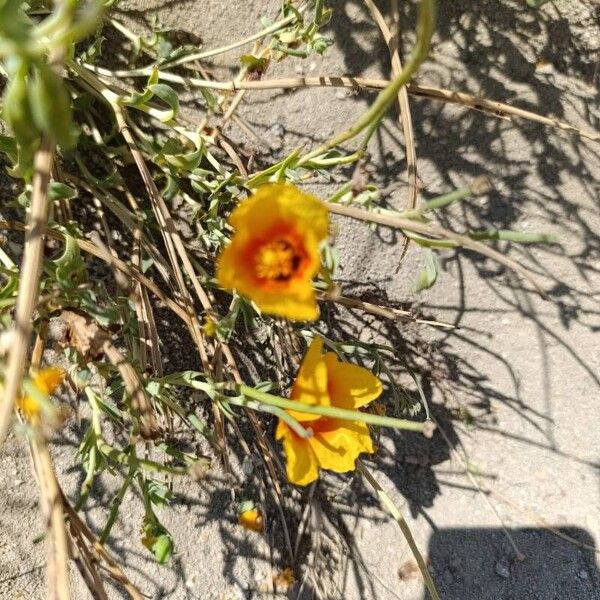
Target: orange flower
{"type": "Point", "coordinates": [274, 253]}
{"type": "Point", "coordinates": [336, 443]}
{"type": "Point", "coordinates": [46, 381]}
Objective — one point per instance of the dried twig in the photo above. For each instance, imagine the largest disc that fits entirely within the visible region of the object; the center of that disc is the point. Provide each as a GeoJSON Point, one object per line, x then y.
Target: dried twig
{"type": "Point", "coordinates": [386, 312]}
{"type": "Point", "coordinates": [175, 247]}
{"type": "Point", "coordinates": [79, 528]}
{"type": "Point", "coordinates": [437, 232]}
{"type": "Point", "coordinates": [28, 283]}
{"type": "Point", "coordinates": [393, 41]}
{"type": "Point", "coordinates": [493, 108]}
{"type": "Point", "coordinates": [395, 512]}
{"type": "Point", "coordinates": [140, 402]}
{"type": "Point", "coordinates": [52, 510]}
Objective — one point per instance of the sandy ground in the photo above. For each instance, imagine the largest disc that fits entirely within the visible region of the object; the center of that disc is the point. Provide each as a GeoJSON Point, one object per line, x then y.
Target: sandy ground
{"type": "Point", "coordinates": [516, 387]}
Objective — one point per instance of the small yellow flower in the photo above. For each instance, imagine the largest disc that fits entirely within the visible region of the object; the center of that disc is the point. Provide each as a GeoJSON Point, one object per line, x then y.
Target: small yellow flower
{"type": "Point", "coordinates": [46, 381]}
{"type": "Point", "coordinates": [251, 519]}
{"type": "Point", "coordinates": [274, 253]}
{"type": "Point", "coordinates": [209, 327]}
{"type": "Point", "coordinates": [336, 443]}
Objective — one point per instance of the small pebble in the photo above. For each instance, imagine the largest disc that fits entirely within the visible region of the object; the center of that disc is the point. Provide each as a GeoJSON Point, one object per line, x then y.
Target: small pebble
{"type": "Point", "coordinates": [277, 130]}
{"type": "Point", "coordinates": [583, 574]}
{"type": "Point", "coordinates": [247, 467]}
{"type": "Point", "coordinates": [501, 570]}
{"type": "Point", "coordinates": [18, 482]}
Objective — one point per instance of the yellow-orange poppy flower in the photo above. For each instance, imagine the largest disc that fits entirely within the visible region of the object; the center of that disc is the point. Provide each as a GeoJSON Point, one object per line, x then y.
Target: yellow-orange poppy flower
{"type": "Point", "coordinates": [274, 253]}
{"type": "Point", "coordinates": [336, 443]}
{"type": "Point", "coordinates": [46, 381]}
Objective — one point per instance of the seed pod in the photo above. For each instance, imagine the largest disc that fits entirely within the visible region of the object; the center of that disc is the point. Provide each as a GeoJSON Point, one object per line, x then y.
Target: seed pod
{"type": "Point", "coordinates": [163, 548]}
{"type": "Point", "coordinates": [51, 105]}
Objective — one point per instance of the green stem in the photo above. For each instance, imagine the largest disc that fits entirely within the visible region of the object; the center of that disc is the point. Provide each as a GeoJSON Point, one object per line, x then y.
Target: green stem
{"type": "Point", "coordinates": [329, 411]}
{"type": "Point", "coordinates": [116, 504]}
{"type": "Point", "coordinates": [438, 202]}
{"type": "Point", "coordinates": [123, 458]}
{"type": "Point", "coordinates": [274, 410]}
{"type": "Point", "coordinates": [144, 71]}
{"type": "Point", "coordinates": [522, 237]}
{"type": "Point", "coordinates": [336, 160]}
{"type": "Point", "coordinates": [371, 118]}
{"type": "Point", "coordinates": [212, 389]}
{"type": "Point", "coordinates": [319, 7]}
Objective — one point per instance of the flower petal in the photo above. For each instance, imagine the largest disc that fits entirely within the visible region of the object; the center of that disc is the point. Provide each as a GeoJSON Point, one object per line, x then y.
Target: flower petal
{"type": "Point", "coordinates": [310, 386]}
{"type": "Point", "coordinates": [297, 303]}
{"type": "Point", "coordinates": [276, 201]}
{"type": "Point", "coordinates": [350, 386]}
{"type": "Point", "coordinates": [338, 447]}
{"type": "Point", "coordinates": [302, 467]}
{"type": "Point", "coordinates": [48, 379]}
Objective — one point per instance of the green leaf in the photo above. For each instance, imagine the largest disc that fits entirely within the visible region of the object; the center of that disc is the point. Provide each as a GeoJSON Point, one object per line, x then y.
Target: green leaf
{"type": "Point", "coordinates": [8, 146]}
{"type": "Point", "coordinates": [16, 108]}
{"type": "Point", "coordinates": [138, 99]}
{"type": "Point", "coordinates": [253, 63]}
{"type": "Point", "coordinates": [173, 153]}
{"type": "Point", "coordinates": [536, 3]}
{"type": "Point", "coordinates": [60, 191]}
{"type": "Point", "coordinates": [167, 94]}
{"type": "Point", "coordinates": [157, 539]}
{"type": "Point", "coordinates": [14, 24]}
{"type": "Point", "coordinates": [320, 43]}
{"type": "Point", "coordinates": [69, 268]}
{"type": "Point", "coordinates": [428, 274]}
{"type": "Point", "coordinates": [50, 105]}
{"type": "Point", "coordinates": [158, 493]}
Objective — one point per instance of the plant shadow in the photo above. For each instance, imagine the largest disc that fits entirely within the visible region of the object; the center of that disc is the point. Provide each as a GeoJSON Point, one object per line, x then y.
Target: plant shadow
{"type": "Point", "coordinates": [553, 568]}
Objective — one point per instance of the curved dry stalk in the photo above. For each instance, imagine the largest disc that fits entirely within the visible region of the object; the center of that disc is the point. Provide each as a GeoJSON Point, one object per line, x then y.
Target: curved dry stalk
{"type": "Point", "coordinates": [81, 530]}
{"type": "Point", "coordinates": [370, 119]}
{"type": "Point", "coordinates": [386, 312]}
{"type": "Point", "coordinates": [52, 510]}
{"type": "Point", "coordinates": [28, 283]}
{"type": "Point", "coordinates": [171, 236]}
{"type": "Point", "coordinates": [395, 512]}
{"type": "Point", "coordinates": [392, 42]}
{"type": "Point", "coordinates": [405, 117]}
{"type": "Point", "coordinates": [149, 428]}
{"type": "Point", "coordinates": [435, 231]}
{"type": "Point", "coordinates": [494, 108]}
